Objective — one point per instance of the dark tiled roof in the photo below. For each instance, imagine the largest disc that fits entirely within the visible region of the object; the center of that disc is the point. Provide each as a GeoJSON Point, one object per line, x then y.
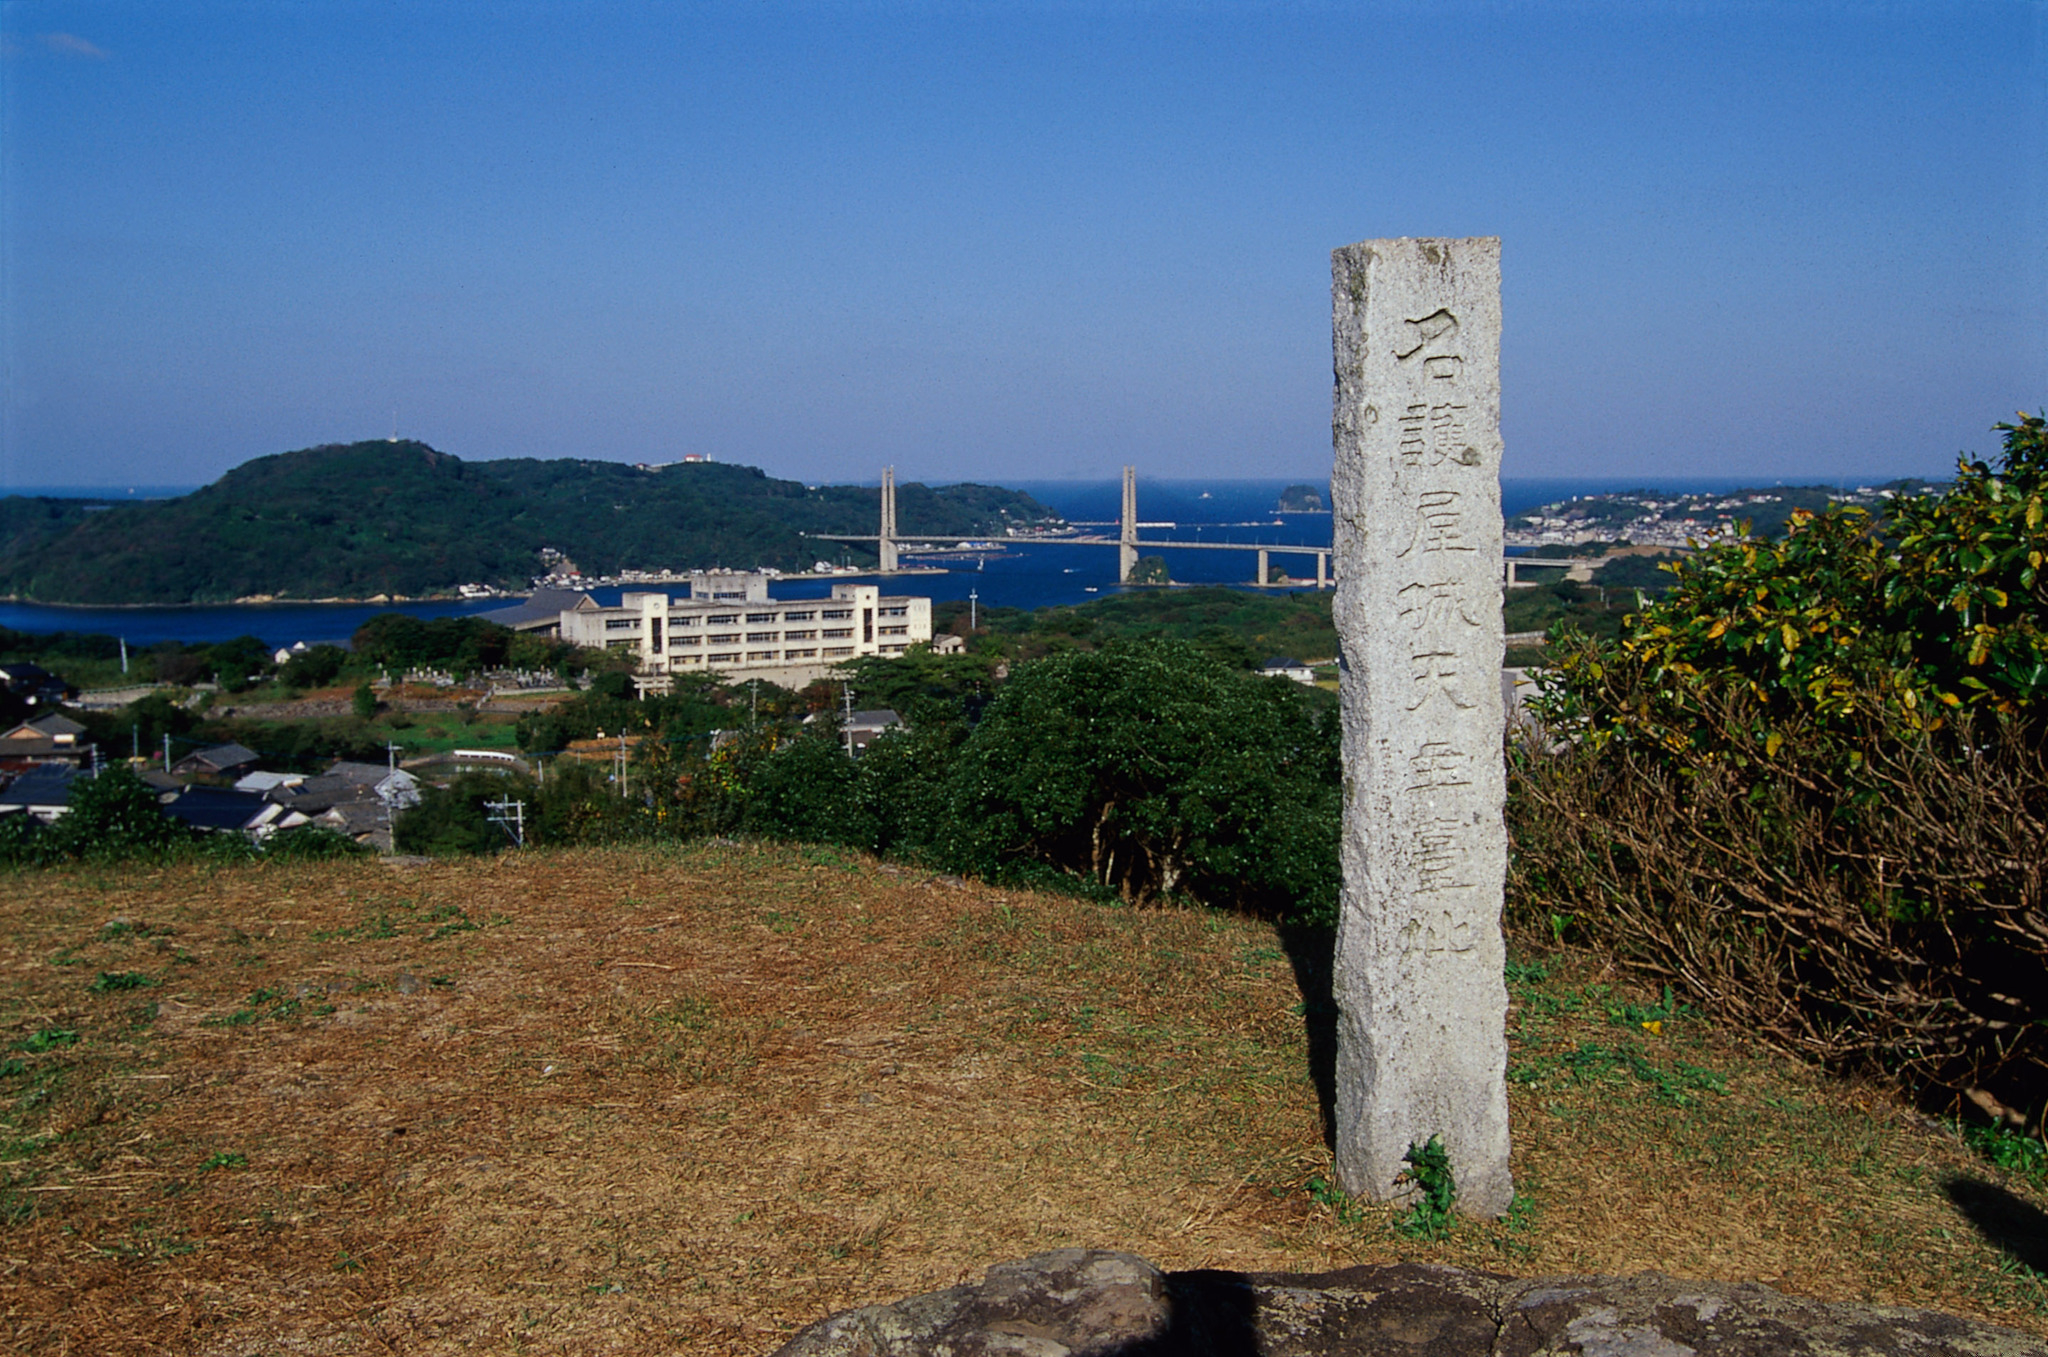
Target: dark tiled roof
{"type": "Point", "coordinates": [215, 807]}
{"type": "Point", "coordinates": [544, 606]}
{"type": "Point", "coordinates": [221, 757]}
{"type": "Point", "coordinates": [45, 786]}
{"type": "Point", "coordinates": [56, 723]}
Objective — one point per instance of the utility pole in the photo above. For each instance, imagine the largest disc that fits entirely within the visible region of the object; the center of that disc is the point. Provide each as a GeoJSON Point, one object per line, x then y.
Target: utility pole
{"type": "Point", "coordinates": [973, 609]}
{"type": "Point", "coordinates": [135, 742]}
{"type": "Point", "coordinates": [753, 702]}
{"type": "Point", "coordinates": [167, 751]}
{"type": "Point", "coordinates": [622, 764]}
{"type": "Point", "coordinates": [124, 654]}
{"type": "Point", "coordinates": [391, 752]}
{"type": "Point", "coordinates": [846, 726]}
{"type": "Point", "coordinates": [512, 815]}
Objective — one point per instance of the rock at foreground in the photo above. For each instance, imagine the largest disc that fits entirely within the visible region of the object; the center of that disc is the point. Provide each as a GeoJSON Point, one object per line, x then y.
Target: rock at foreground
{"type": "Point", "coordinates": [1091, 1303]}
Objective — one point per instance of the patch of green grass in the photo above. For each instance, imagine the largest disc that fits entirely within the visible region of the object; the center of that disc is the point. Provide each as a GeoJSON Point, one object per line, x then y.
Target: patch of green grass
{"type": "Point", "coordinates": [48, 1039]}
{"type": "Point", "coordinates": [448, 920]}
{"type": "Point", "coordinates": [1649, 1017]}
{"type": "Point", "coordinates": [1323, 1192]}
{"type": "Point", "coordinates": [224, 1159]}
{"type": "Point", "coordinates": [111, 982]}
{"type": "Point", "coordinates": [261, 1004]}
{"type": "Point", "coordinates": [2014, 1151]}
{"type": "Point", "coordinates": [1679, 1084]}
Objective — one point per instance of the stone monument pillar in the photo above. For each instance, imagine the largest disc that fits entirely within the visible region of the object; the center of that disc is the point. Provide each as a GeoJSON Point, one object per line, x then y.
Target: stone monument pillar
{"type": "Point", "coordinates": [1421, 1037]}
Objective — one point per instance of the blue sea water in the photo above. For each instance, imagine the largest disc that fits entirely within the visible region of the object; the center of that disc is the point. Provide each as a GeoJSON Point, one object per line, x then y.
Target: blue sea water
{"type": "Point", "coordinates": [1031, 576]}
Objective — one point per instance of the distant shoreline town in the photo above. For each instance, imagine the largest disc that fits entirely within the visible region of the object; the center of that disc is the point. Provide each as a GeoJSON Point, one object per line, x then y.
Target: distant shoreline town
{"type": "Point", "coordinates": [1658, 518]}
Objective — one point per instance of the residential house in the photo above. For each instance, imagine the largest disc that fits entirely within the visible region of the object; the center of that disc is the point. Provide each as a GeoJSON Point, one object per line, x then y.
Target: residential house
{"type": "Point", "coordinates": [220, 760]}
{"type": "Point", "coordinates": [43, 792]}
{"type": "Point", "coordinates": [1280, 666]}
{"type": "Point", "coordinates": [348, 783]}
{"type": "Point", "coordinates": [51, 738]}
{"type": "Point", "coordinates": [33, 684]}
{"type": "Point", "coordinates": [223, 809]}
{"type": "Point", "coordinates": [356, 799]}
{"type": "Point", "coordinates": [862, 728]}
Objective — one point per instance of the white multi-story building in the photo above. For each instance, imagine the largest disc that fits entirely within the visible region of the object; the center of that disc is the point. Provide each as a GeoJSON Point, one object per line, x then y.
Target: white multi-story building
{"type": "Point", "coordinates": [728, 625]}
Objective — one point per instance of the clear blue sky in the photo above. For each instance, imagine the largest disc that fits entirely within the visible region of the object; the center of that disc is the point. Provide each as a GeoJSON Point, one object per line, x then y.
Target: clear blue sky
{"type": "Point", "coordinates": [1007, 241]}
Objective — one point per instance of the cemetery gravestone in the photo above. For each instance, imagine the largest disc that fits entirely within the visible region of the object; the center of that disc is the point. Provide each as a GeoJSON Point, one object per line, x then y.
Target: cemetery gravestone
{"type": "Point", "coordinates": [1421, 1040]}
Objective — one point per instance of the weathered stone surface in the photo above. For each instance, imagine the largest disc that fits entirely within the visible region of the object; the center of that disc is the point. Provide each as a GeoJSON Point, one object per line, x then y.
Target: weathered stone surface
{"type": "Point", "coordinates": [1097, 1304]}
{"type": "Point", "coordinates": [1070, 1301]}
{"type": "Point", "coordinates": [1421, 1036]}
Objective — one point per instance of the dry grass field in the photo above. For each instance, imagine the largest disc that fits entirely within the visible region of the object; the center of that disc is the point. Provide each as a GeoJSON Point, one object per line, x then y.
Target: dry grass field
{"type": "Point", "coordinates": [646, 1101]}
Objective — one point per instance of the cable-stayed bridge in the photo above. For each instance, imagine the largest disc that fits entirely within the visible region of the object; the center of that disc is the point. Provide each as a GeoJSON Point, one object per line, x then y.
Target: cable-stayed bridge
{"type": "Point", "coordinates": [890, 545]}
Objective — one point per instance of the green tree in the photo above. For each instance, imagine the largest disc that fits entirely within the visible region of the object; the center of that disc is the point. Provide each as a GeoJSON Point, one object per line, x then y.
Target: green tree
{"type": "Point", "coordinates": [1152, 771]}
{"type": "Point", "coordinates": [114, 815]}
{"type": "Point", "coordinates": [1150, 570]}
{"type": "Point", "coordinates": [238, 664]}
{"type": "Point", "coordinates": [314, 667]}
{"type": "Point", "coordinates": [364, 701]}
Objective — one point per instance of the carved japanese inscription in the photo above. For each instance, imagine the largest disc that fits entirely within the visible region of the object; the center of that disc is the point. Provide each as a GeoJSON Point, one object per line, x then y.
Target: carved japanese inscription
{"type": "Point", "coordinates": [1422, 1027]}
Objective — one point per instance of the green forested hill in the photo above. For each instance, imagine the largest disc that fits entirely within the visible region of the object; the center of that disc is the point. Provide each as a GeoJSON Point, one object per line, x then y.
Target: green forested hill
{"type": "Point", "coordinates": [355, 520]}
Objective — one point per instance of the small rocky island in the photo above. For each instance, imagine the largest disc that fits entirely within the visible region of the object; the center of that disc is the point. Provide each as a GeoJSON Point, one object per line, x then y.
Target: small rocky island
{"type": "Point", "coordinates": [1302, 499]}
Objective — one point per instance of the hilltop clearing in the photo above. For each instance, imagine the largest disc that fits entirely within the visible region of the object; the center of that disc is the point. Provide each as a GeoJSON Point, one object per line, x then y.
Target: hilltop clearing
{"type": "Point", "coordinates": [688, 1100]}
{"type": "Point", "coordinates": [398, 518]}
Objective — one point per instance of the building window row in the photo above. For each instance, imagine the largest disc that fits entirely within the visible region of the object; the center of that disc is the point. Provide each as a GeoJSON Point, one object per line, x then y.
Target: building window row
{"type": "Point", "coordinates": [831, 633]}
{"type": "Point", "coordinates": [896, 631]}
{"type": "Point", "coordinates": [834, 614]}
{"type": "Point", "coordinates": [622, 624]}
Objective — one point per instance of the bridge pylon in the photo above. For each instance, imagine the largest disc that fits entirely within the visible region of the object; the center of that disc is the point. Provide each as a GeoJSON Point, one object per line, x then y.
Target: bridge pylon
{"type": "Point", "coordinates": [1127, 528]}
{"type": "Point", "coordinates": [886, 543]}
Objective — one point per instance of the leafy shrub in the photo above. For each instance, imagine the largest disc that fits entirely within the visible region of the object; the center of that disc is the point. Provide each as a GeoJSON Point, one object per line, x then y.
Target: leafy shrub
{"type": "Point", "coordinates": [113, 816]}
{"type": "Point", "coordinates": [310, 843]}
{"type": "Point", "coordinates": [1810, 785]}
